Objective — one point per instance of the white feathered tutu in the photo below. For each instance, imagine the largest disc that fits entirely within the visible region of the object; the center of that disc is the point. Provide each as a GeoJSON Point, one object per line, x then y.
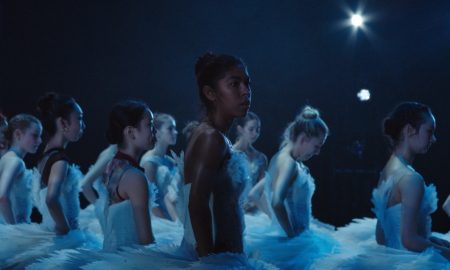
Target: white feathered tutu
{"type": "Point", "coordinates": [360, 250]}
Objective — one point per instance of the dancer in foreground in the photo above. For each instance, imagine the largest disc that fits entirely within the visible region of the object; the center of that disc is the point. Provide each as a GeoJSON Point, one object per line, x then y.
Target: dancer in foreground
{"type": "Point", "coordinates": [402, 202]}
{"type": "Point", "coordinates": [293, 241]}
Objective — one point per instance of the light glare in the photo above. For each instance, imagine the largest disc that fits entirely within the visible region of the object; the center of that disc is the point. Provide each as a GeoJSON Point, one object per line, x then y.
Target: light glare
{"type": "Point", "coordinates": [357, 20]}
{"type": "Point", "coordinates": [363, 95]}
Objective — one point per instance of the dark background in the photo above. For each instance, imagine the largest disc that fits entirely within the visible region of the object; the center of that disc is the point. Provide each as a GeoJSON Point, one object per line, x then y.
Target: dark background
{"type": "Point", "coordinates": [298, 52]}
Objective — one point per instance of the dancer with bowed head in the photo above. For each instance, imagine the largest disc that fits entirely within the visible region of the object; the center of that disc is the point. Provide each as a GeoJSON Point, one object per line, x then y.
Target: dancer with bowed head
{"type": "Point", "coordinates": [289, 188]}
{"type": "Point", "coordinates": [402, 198]}
{"type": "Point", "coordinates": [24, 136]}
{"type": "Point", "coordinates": [402, 202]}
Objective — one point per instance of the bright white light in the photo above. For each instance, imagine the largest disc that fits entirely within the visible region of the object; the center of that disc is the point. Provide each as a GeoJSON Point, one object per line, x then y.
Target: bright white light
{"type": "Point", "coordinates": [363, 95]}
{"type": "Point", "coordinates": [357, 20]}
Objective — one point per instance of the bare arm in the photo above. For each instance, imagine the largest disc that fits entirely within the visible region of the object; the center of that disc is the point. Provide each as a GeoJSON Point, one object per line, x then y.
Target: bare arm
{"type": "Point", "coordinates": [150, 171]}
{"type": "Point", "coordinates": [14, 168]}
{"type": "Point", "coordinates": [170, 206]}
{"type": "Point", "coordinates": [96, 171]}
{"type": "Point", "coordinates": [255, 193]}
{"type": "Point", "coordinates": [56, 180]}
{"type": "Point", "coordinates": [286, 174]}
{"type": "Point", "coordinates": [134, 186]}
{"type": "Point", "coordinates": [263, 168]}
{"type": "Point", "coordinates": [412, 189]}
{"type": "Point", "coordinates": [257, 190]}
{"type": "Point", "coordinates": [202, 166]}
{"type": "Point", "coordinates": [379, 234]}
{"type": "Point", "coordinates": [446, 206]}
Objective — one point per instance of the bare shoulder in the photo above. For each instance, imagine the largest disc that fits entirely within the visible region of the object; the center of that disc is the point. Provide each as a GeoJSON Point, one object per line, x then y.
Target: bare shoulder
{"type": "Point", "coordinates": [285, 163]}
{"type": "Point", "coordinates": [109, 152]}
{"type": "Point", "coordinates": [209, 141]}
{"type": "Point", "coordinates": [59, 167]}
{"type": "Point", "coordinates": [134, 178]}
{"type": "Point", "coordinates": [411, 178]}
{"type": "Point", "coordinates": [411, 185]}
{"type": "Point", "coordinates": [13, 162]}
{"type": "Point", "coordinates": [261, 157]}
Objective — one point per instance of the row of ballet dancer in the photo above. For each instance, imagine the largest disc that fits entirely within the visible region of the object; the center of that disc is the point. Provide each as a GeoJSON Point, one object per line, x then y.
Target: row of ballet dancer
{"type": "Point", "coordinates": [207, 188]}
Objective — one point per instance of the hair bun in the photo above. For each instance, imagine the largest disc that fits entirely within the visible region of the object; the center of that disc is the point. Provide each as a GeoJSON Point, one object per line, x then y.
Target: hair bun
{"type": "Point", "coordinates": [390, 128]}
{"type": "Point", "coordinates": [203, 61]}
{"type": "Point", "coordinates": [113, 134]}
{"type": "Point", "coordinates": [3, 120]}
{"type": "Point", "coordinates": [308, 113]}
{"type": "Point", "coordinates": [46, 102]}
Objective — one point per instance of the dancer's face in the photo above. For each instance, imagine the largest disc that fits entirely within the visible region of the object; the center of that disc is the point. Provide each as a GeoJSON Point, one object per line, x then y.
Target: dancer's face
{"type": "Point", "coordinates": [30, 138]}
{"type": "Point", "coordinates": [306, 147]}
{"type": "Point", "coordinates": [423, 137]}
{"type": "Point", "coordinates": [167, 133]}
{"type": "Point", "coordinates": [74, 128]}
{"type": "Point", "coordinates": [251, 131]}
{"type": "Point", "coordinates": [143, 133]}
{"type": "Point", "coordinates": [232, 94]}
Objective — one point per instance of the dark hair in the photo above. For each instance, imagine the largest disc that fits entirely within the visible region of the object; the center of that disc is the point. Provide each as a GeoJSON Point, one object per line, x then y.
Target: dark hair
{"type": "Point", "coordinates": [3, 129]}
{"type": "Point", "coordinates": [51, 106]}
{"type": "Point", "coordinates": [242, 121]}
{"type": "Point", "coordinates": [3, 122]}
{"type": "Point", "coordinates": [123, 114]}
{"type": "Point", "coordinates": [308, 122]}
{"type": "Point", "coordinates": [210, 68]}
{"type": "Point", "coordinates": [412, 113]}
{"type": "Point", "coordinates": [21, 122]}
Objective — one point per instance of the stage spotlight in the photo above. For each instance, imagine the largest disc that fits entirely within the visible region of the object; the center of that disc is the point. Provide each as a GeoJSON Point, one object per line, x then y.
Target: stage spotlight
{"type": "Point", "coordinates": [363, 95]}
{"type": "Point", "coordinates": [357, 20]}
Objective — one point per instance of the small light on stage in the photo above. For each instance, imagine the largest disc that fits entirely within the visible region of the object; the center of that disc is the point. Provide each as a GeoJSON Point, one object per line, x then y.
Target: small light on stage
{"type": "Point", "coordinates": [357, 20]}
{"type": "Point", "coordinates": [363, 95]}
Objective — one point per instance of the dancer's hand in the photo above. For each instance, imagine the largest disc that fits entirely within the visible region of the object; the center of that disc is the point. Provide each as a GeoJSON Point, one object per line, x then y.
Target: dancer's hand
{"type": "Point", "coordinates": [62, 230]}
{"type": "Point", "coordinates": [179, 160]}
{"type": "Point", "coordinates": [440, 242]}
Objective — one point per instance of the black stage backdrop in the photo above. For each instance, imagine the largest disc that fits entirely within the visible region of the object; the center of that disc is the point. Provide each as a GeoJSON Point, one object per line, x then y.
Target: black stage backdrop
{"type": "Point", "coordinates": [298, 52]}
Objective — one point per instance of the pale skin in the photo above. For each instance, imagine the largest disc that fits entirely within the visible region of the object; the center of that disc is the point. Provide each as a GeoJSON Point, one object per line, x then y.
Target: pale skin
{"type": "Point", "coordinates": [133, 185]}
{"type": "Point", "coordinates": [67, 130]}
{"type": "Point", "coordinates": [409, 189]}
{"type": "Point", "coordinates": [166, 136]}
{"type": "Point", "coordinates": [284, 169]}
{"type": "Point", "coordinates": [96, 171]}
{"type": "Point", "coordinates": [446, 206]}
{"type": "Point", "coordinates": [12, 166]}
{"type": "Point", "coordinates": [207, 150]}
{"type": "Point", "coordinates": [248, 134]}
